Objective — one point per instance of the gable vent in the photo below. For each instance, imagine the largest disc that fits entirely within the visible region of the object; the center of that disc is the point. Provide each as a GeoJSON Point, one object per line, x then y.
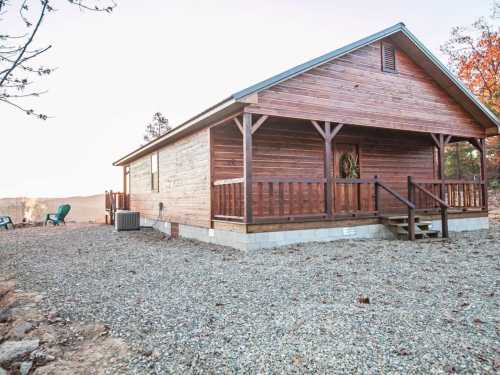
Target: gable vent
{"type": "Point", "coordinates": [388, 58]}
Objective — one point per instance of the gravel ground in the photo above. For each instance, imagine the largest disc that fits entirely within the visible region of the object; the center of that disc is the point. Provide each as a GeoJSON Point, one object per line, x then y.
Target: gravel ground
{"type": "Point", "coordinates": [188, 307]}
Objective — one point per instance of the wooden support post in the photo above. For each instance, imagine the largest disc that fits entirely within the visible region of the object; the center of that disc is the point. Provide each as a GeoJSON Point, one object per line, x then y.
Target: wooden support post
{"type": "Point", "coordinates": [211, 188]}
{"type": "Point", "coordinates": [328, 171]}
{"type": "Point", "coordinates": [247, 167]}
{"type": "Point", "coordinates": [411, 224]}
{"type": "Point", "coordinates": [441, 141]}
{"type": "Point", "coordinates": [377, 194]}
{"type": "Point", "coordinates": [480, 145]}
{"type": "Point", "coordinates": [441, 165]}
{"type": "Point", "coordinates": [411, 211]}
{"type": "Point", "coordinates": [484, 177]}
{"type": "Point", "coordinates": [444, 222]}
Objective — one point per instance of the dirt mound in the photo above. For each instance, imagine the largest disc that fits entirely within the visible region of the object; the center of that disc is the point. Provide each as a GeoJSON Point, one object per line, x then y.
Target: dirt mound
{"type": "Point", "coordinates": [34, 342]}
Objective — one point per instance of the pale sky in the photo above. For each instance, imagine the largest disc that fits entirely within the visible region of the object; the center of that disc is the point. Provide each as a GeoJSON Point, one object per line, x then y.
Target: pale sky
{"type": "Point", "coordinates": [176, 57]}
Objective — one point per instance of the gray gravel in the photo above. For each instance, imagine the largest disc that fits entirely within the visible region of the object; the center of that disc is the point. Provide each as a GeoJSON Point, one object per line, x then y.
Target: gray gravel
{"type": "Point", "coordinates": [188, 307]}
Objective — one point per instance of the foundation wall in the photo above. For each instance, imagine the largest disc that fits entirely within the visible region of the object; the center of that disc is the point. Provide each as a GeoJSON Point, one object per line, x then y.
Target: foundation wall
{"type": "Point", "coordinates": [264, 240]}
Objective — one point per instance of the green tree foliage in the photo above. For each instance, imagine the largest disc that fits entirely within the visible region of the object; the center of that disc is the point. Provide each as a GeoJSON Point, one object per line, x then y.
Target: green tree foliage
{"type": "Point", "coordinates": [461, 161]}
{"type": "Point", "coordinates": [156, 128]}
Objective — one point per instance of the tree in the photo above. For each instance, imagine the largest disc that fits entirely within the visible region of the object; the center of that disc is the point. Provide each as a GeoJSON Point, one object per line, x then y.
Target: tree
{"type": "Point", "coordinates": [474, 56]}
{"type": "Point", "coordinates": [18, 55]}
{"type": "Point", "coordinates": [156, 128]}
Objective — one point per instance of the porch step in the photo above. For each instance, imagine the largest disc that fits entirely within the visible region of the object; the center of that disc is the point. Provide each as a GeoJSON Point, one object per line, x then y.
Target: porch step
{"type": "Point", "coordinates": [398, 224]}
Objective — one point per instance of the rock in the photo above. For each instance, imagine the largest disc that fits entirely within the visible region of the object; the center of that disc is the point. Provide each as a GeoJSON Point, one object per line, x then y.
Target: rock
{"type": "Point", "coordinates": [25, 367]}
{"type": "Point", "coordinates": [11, 350]}
{"type": "Point", "coordinates": [40, 355]}
{"type": "Point", "coordinates": [363, 299]}
{"type": "Point", "coordinates": [5, 315]}
{"type": "Point", "coordinates": [52, 316]}
{"type": "Point", "coordinates": [19, 330]}
{"type": "Point", "coordinates": [6, 287]}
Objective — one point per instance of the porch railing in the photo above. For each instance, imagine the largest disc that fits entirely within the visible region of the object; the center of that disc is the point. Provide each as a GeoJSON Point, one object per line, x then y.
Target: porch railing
{"type": "Point", "coordinates": [228, 199]}
{"type": "Point", "coordinates": [351, 196]}
{"type": "Point", "coordinates": [114, 201]}
{"type": "Point", "coordinates": [415, 189]}
{"type": "Point", "coordinates": [289, 198]}
{"type": "Point", "coordinates": [284, 199]}
{"type": "Point", "coordinates": [458, 194]}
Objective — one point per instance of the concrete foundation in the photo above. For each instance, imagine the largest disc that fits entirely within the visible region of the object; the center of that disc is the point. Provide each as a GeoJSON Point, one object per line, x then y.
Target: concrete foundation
{"type": "Point", "coordinates": [265, 240]}
{"type": "Point", "coordinates": [463, 224]}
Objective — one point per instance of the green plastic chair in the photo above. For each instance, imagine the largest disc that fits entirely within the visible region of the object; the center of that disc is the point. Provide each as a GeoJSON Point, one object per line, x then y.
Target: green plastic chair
{"type": "Point", "coordinates": [59, 216]}
{"type": "Point", "coordinates": [5, 221]}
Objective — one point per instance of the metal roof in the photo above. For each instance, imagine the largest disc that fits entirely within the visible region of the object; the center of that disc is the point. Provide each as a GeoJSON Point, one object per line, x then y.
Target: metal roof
{"type": "Point", "coordinates": [236, 97]}
{"type": "Point", "coordinates": [399, 27]}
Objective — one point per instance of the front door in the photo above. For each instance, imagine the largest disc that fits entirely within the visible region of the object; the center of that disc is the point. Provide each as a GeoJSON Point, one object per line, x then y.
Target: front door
{"type": "Point", "coordinates": [346, 166]}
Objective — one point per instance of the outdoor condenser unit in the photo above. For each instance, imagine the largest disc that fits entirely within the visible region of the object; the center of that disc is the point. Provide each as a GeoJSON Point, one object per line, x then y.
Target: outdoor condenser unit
{"type": "Point", "coordinates": [127, 220]}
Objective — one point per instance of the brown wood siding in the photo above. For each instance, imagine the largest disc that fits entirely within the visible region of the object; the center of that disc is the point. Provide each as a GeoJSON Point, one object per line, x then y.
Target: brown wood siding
{"type": "Point", "coordinates": [184, 188]}
{"type": "Point", "coordinates": [354, 90]}
{"type": "Point", "coordinates": [287, 148]}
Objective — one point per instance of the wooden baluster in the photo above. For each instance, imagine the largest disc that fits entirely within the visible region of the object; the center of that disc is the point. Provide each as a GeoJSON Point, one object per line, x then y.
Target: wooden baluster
{"type": "Point", "coordinates": [358, 196]}
{"type": "Point", "coordinates": [260, 194]}
{"type": "Point", "coordinates": [281, 202]}
{"type": "Point", "coordinates": [348, 195]}
{"type": "Point", "coordinates": [309, 197]}
{"type": "Point", "coordinates": [474, 192]}
{"type": "Point", "coordinates": [466, 195]}
{"type": "Point", "coordinates": [290, 198]}
{"type": "Point", "coordinates": [300, 198]}
{"type": "Point", "coordinates": [224, 202]}
{"type": "Point", "coordinates": [230, 198]}
{"type": "Point", "coordinates": [271, 199]}
{"type": "Point", "coordinates": [377, 195]}
{"type": "Point", "coordinates": [369, 194]}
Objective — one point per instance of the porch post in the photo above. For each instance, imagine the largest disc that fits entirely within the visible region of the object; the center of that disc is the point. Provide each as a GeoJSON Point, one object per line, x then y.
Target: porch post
{"type": "Point", "coordinates": [480, 145]}
{"type": "Point", "coordinates": [328, 171]}
{"type": "Point", "coordinates": [441, 142]}
{"type": "Point", "coordinates": [441, 165]}
{"type": "Point", "coordinates": [247, 167]}
{"type": "Point", "coordinates": [484, 174]}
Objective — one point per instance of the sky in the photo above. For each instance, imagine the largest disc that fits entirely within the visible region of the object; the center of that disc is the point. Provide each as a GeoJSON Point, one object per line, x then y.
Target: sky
{"type": "Point", "coordinates": [177, 57]}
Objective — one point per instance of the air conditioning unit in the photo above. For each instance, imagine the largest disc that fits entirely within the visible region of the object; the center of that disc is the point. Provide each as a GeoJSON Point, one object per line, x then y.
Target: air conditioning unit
{"type": "Point", "coordinates": [127, 220]}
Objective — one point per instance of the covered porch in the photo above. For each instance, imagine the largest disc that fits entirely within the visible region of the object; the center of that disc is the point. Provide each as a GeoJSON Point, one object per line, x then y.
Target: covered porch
{"type": "Point", "coordinates": [272, 170]}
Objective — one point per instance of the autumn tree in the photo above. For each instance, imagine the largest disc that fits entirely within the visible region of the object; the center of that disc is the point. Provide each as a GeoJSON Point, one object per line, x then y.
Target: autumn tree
{"type": "Point", "coordinates": [156, 128]}
{"type": "Point", "coordinates": [19, 54]}
{"type": "Point", "coordinates": [474, 56]}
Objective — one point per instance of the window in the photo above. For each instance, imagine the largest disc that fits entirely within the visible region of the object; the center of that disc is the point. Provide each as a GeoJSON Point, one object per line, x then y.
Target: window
{"type": "Point", "coordinates": [155, 183]}
{"type": "Point", "coordinates": [388, 57]}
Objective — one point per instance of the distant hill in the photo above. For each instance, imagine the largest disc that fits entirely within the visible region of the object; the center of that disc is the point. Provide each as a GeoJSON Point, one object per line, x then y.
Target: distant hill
{"type": "Point", "coordinates": [83, 209]}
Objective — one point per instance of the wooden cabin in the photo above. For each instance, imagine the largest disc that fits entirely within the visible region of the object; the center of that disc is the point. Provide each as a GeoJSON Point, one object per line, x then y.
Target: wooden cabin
{"type": "Point", "coordinates": [347, 145]}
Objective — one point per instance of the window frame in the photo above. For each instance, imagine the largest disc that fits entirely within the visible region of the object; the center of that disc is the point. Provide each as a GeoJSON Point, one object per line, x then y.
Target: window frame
{"type": "Point", "coordinates": [155, 189]}
{"type": "Point", "coordinates": [383, 45]}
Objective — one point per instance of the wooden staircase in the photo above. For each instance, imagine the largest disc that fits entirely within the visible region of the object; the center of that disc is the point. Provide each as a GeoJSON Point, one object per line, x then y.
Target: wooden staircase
{"type": "Point", "coordinates": [398, 224]}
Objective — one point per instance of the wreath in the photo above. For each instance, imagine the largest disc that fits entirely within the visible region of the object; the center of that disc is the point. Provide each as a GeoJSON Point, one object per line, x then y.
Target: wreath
{"type": "Point", "coordinates": [349, 167]}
